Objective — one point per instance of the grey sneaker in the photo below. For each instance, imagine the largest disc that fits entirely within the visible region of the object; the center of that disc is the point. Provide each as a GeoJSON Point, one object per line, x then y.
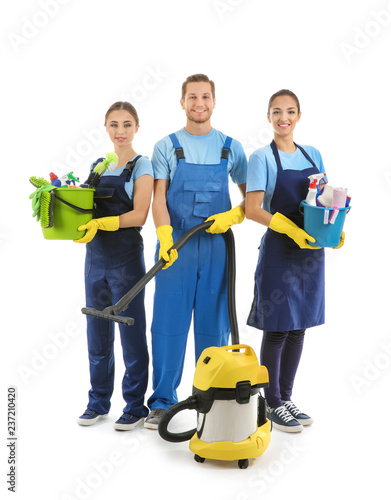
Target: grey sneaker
{"type": "Point", "coordinates": [153, 419]}
{"type": "Point", "coordinates": [301, 417]}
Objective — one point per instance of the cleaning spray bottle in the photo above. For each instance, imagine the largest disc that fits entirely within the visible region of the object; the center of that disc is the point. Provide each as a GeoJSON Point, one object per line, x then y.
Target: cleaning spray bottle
{"type": "Point", "coordinates": [54, 179]}
{"type": "Point", "coordinates": [312, 190]}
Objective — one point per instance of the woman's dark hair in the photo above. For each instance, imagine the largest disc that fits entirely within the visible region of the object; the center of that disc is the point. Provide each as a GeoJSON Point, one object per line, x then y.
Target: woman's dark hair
{"type": "Point", "coordinates": [123, 105]}
{"type": "Point", "coordinates": [283, 92]}
{"type": "Point", "coordinates": [199, 77]}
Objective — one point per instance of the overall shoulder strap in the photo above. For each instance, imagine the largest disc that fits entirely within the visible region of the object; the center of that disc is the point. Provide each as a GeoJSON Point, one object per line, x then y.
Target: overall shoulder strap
{"type": "Point", "coordinates": [130, 166]}
{"type": "Point", "coordinates": [178, 148]}
{"type": "Point", "coordinates": [226, 148]}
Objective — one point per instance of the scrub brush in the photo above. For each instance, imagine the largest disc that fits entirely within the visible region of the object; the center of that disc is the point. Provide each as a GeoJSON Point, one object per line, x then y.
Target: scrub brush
{"type": "Point", "coordinates": [95, 176]}
{"type": "Point", "coordinates": [42, 201]}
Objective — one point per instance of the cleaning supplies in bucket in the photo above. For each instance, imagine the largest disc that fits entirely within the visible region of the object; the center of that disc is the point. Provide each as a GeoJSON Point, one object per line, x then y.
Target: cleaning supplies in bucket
{"type": "Point", "coordinates": [62, 210]}
{"type": "Point", "coordinates": [324, 219]}
{"type": "Point", "coordinates": [95, 176]}
{"type": "Point", "coordinates": [42, 201]}
{"type": "Point", "coordinates": [312, 190]}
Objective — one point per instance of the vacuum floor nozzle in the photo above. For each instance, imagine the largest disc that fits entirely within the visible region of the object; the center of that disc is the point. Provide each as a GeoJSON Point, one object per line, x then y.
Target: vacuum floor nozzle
{"type": "Point", "coordinates": [108, 315]}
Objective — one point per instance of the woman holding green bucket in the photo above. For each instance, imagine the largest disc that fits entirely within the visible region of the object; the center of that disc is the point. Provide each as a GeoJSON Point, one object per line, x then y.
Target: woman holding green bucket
{"type": "Point", "coordinates": [289, 278]}
{"type": "Point", "coordinates": [114, 263]}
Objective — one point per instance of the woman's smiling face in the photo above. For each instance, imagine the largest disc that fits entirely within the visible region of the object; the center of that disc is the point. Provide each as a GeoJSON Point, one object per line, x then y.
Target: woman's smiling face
{"type": "Point", "coordinates": [283, 115]}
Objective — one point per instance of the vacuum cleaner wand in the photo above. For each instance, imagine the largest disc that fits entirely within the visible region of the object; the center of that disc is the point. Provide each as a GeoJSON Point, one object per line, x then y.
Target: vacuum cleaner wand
{"type": "Point", "coordinates": [111, 313]}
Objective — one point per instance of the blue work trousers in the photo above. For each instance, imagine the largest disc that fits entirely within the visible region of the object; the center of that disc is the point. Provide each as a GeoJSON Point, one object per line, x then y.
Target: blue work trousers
{"type": "Point", "coordinates": [108, 276]}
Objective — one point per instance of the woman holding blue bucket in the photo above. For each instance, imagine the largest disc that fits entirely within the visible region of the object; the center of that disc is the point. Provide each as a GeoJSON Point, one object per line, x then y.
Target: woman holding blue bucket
{"type": "Point", "coordinates": [114, 263]}
{"type": "Point", "coordinates": [289, 294]}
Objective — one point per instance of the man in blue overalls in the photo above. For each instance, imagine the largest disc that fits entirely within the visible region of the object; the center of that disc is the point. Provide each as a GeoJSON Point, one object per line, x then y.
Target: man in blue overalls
{"type": "Point", "coordinates": [191, 169]}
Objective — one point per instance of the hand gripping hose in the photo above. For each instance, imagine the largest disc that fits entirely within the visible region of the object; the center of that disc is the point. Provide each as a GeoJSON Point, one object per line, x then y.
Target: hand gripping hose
{"type": "Point", "coordinates": [111, 313]}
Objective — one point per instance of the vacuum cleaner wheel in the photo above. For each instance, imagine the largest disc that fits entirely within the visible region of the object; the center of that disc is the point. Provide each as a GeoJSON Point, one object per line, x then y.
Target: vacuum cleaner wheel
{"type": "Point", "coordinates": [199, 459]}
{"type": "Point", "coordinates": [243, 464]}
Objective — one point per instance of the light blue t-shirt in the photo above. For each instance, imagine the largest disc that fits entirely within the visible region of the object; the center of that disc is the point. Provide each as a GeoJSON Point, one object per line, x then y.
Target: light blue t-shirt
{"type": "Point", "coordinates": [199, 149]}
{"type": "Point", "coordinates": [143, 167]}
{"type": "Point", "coordinates": [262, 168]}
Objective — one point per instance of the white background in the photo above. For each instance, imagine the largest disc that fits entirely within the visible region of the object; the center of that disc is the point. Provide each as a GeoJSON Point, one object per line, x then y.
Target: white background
{"type": "Point", "coordinates": [61, 70]}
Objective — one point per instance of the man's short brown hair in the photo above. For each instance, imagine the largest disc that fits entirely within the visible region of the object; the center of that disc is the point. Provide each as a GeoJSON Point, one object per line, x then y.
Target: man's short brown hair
{"type": "Point", "coordinates": [199, 77]}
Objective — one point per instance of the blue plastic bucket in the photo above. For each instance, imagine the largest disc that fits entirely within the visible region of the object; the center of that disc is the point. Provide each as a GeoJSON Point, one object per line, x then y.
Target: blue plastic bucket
{"type": "Point", "coordinates": [317, 225]}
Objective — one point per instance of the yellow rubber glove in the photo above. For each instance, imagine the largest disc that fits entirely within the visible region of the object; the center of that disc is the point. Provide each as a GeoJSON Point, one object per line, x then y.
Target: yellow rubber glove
{"type": "Point", "coordinates": [223, 221]}
{"type": "Point", "coordinates": [282, 224]}
{"type": "Point", "coordinates": [164, 233]}
{"type": "Point", "coordinates": [341, 241]}
{"type": "Point", "coordinates": [104, 223]}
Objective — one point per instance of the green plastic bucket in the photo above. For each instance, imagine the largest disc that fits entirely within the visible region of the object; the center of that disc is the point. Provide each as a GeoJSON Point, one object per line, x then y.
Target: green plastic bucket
{"type": "Point", "coordinates": [72, 207]}
{"type": "Point", "coordinates": [316, 224]}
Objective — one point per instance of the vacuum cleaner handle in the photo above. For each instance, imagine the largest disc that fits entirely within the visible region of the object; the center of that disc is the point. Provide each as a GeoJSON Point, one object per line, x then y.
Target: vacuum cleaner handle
{"type": "Point", "coordinates": [191, 403]}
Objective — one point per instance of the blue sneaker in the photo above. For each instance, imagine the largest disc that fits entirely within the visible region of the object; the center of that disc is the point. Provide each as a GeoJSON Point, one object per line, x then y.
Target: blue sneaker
{"type": "Point", "coordinates": [283, 420]}
{"type": "Point", "coordinates": [301, 417]}
{"type": "Point", "coordinates": [89, 417]}
{"type": "Point", "coordinates": [127, 422]}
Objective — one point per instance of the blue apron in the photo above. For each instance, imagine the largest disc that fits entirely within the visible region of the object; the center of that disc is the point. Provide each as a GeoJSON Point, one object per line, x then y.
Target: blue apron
{"type": "Point", "coordinates": [198, 278]}
{"type": "Point", "coordinates": [289, 289]}
{"type": "Point", "coordinates": [114, 263]}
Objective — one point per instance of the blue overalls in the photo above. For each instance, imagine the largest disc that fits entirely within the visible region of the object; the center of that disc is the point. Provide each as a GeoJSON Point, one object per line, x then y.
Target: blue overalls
{"type": "Point", "coordinates": [114, 263]}
{"type": "Point", "coordinates": [197, 279]}
{"type": "Point", "coordinates": [289, 286]}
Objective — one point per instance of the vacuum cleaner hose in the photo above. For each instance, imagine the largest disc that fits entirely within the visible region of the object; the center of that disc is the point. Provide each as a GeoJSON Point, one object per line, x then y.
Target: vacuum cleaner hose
{"type": "Point", "coordinates": [191, 403]}
{"type": "Point", "coordinates": [233, 322]}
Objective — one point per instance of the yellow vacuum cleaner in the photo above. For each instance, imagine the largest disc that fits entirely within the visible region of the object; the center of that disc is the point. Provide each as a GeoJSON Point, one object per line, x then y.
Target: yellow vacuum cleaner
{"type": "Point", "coordinates": [231, 423]}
